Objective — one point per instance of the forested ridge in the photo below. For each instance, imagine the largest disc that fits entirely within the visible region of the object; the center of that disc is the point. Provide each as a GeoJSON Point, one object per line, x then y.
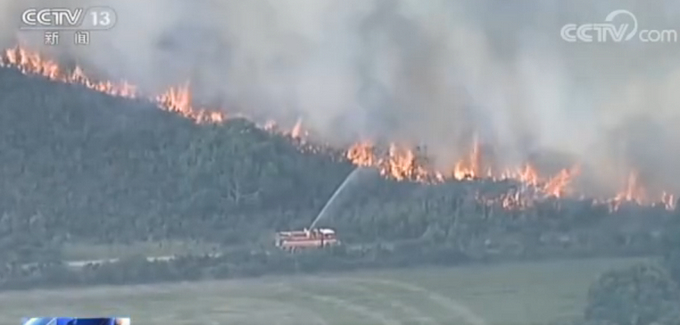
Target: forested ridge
{"type": "Point", "coordinates": [81, 166]}
{"type": "Point", "coordinates": [86, 165]}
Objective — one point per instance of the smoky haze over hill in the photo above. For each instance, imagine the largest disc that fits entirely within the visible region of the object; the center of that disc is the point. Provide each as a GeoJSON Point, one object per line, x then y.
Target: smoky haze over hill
{"type": "Point", "coordinates": [418, 72]}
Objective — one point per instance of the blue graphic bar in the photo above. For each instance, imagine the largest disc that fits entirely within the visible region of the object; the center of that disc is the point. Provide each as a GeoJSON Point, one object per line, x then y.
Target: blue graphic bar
{"type": "Point", "coordinates": [76, 321]}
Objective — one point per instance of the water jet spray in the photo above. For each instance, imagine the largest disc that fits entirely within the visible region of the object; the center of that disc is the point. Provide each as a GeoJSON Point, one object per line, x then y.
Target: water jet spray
{"type": "Point", "coordinates": [351, 177]}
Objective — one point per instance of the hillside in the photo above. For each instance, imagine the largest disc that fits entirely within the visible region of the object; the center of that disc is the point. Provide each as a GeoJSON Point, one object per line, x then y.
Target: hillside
{"type": "Point", "coordinates": [88, 169]}
{"type": "Point", "coordinates": [84, 166]}
{"type": "Point", "coordinates": [88, 166]}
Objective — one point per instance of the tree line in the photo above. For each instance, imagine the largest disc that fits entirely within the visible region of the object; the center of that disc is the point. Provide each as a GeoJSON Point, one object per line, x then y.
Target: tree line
{"type": "Point", "coordinates": [80, 166]}
{"type": "Point", "coordinates": [83, 167]}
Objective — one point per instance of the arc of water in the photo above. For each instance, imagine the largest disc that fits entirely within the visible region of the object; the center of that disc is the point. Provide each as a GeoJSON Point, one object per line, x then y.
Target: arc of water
{"type": "Point", "coordinates": [337, 192]}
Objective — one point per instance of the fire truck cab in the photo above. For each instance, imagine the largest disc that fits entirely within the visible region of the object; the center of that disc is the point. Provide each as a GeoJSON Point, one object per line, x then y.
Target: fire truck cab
{"type": "Point", "coordinates": [308, 238]}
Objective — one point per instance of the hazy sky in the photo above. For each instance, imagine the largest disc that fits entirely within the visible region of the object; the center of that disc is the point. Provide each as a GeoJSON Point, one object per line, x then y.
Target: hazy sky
{"type": "Point", "coordinates": [420, 72]}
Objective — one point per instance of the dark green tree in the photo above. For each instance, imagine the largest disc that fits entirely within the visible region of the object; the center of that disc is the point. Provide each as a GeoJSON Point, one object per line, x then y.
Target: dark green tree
{"type": "Point", "coordinates": [639, 295]}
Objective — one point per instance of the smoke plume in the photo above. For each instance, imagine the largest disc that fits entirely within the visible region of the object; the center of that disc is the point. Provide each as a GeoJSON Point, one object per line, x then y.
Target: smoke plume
{"type": "Point", "coordinates": [435, 73]}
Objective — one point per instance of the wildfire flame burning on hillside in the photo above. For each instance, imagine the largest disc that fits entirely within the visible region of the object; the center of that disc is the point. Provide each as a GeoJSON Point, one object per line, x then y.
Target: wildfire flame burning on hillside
{"type": "Point", "coordinates": [398, 162]}
{"type": "Point", "coordinates": [403, 164]}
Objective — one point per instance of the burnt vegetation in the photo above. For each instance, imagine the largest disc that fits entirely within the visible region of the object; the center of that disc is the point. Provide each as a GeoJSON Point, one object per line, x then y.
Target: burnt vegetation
{"type": "Point", "coordinates": [80, 166]}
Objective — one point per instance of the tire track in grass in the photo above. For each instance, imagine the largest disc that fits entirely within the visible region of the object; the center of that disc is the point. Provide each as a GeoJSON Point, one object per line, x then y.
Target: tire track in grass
{"type": "Point", "coordinates": [414, 313]}
{"type": "Point", "coordinates": [459, 309]}
{"type": "Point", "coordinates": [378, 317]}
{"type": "Point", "coordinates": [288, 308]}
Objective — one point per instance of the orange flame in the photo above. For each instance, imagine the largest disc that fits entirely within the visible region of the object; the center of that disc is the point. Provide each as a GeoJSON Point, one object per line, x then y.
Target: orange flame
{"type": "Point", "coordinates": [178, 100]}
{"type": "Point", "coordinates": [635, 192]}
{"type": "Point", "coordinates": [471, 166]}
{"type": "Point", "coordinates": [398, 162]}
{"type": "Point", "coordinates": [32, 63]}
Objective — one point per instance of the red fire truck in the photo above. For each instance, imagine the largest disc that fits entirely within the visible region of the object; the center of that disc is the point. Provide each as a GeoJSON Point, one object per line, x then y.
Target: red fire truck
{"type": "Point", "coordinates": [314, 238]}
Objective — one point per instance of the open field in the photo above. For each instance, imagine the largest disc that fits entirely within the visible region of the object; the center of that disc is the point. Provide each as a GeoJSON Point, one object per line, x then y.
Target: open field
{"type": "Point", "coordinates": [508, 294]}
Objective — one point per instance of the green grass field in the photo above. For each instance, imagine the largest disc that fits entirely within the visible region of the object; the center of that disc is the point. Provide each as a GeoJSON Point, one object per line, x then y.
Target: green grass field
{"type": "Point", "coordinates": [508, 294]}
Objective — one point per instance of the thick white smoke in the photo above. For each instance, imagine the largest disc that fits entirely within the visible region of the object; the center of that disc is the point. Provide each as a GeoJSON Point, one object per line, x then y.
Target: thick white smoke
{"type": "Point", "coordinates": [427, 72]}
